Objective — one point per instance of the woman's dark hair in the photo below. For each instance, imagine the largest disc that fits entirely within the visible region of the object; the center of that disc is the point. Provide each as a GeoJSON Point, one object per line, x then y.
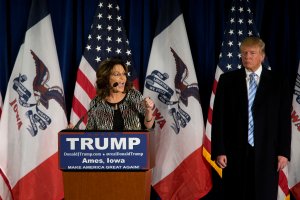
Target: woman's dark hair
{"type": "Point", "coordinates": [103, 73]}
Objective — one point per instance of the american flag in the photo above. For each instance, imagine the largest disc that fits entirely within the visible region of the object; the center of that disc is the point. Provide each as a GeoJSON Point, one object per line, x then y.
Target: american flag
{"type": "Point", "coordinates": [239, 26]}
{"type": "Point", "coordinates": [107, 39]}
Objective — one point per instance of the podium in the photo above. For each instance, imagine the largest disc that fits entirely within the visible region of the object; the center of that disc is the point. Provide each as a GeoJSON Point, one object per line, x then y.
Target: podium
{"type": "Point", "coordinates": [105, 165]}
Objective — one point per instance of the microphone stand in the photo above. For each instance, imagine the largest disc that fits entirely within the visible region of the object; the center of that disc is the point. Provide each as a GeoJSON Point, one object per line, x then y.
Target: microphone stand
{"type": "Point", "coordinates": [76, 127]}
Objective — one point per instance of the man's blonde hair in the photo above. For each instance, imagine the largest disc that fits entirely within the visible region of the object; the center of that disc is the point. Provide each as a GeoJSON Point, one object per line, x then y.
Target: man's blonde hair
{"type": "Point", "coordinates": [253, 41]}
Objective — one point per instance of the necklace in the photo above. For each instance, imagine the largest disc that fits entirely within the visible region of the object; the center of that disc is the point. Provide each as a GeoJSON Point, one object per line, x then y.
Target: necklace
{"type": "Point", "coordinates": [115, 107]}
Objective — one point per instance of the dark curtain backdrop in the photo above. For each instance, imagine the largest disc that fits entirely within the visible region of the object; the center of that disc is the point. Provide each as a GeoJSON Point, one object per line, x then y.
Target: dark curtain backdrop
{"type": "Point", "coordinates": [278, 22]}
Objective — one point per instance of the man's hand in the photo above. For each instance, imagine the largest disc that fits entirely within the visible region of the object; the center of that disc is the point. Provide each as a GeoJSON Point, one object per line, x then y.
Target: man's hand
{"type": "Point", "coordinates": [222, 161]}
{"type": "Point", "coordinates": [282, 162]}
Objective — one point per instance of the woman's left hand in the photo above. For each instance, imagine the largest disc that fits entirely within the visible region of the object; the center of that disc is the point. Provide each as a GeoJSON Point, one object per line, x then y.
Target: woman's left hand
{"type": "Point", "coordinates": [149, 104]}
{"type": "Point", "coordinates": [149, 118]}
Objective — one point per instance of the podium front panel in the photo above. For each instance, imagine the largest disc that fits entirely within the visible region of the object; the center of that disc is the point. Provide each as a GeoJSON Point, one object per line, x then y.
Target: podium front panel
{"type": "Point", "coordinates": [103, 150]}
{"type": "Point", "coordinates": [107, 185]}
{"type": "Point", "coordinates": [105, 165]}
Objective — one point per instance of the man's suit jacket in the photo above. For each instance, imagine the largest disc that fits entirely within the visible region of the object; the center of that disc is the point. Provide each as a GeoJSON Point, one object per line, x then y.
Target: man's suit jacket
{"type": "Point", "coordinates": [272, 129]}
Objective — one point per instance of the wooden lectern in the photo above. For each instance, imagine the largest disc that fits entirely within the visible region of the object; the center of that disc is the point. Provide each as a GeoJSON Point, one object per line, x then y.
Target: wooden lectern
{"type": "Point", "coordinates": [81, 184]}
{"type": "Point", "coordinates": [107, 185]}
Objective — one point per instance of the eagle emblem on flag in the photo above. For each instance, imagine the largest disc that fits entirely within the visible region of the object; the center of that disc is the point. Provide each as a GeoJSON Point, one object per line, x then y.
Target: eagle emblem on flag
{"type": "Point", "coordinates": [156, 82]}
{"type": "Point", "coordinates": [42, 92]}
{"type": "Point", "coordinates": [297, 88]}
{"type": "Point", "coordinates": [183, 89]}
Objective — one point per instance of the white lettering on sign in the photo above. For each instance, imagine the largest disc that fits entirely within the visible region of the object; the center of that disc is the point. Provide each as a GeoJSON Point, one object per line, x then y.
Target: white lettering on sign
{"type": "Point", "coordinates": [103, 143]}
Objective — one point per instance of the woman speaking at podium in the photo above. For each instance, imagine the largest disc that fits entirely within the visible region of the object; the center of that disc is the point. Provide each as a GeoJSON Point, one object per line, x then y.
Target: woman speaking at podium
{"type": "Point", "coordinates": [118, 106]}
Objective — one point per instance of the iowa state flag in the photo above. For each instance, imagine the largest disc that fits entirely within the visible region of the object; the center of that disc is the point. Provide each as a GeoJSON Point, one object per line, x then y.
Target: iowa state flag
{"type": "Point", "coordinates": [294, 164]}
{"type": "Point", "coordinates": [33, 114]}
{"type": "Point", "coordinates": [180, 171]}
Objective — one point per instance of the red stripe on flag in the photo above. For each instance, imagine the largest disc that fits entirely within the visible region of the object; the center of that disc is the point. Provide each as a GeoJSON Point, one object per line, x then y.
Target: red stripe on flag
{"type": "Point", "coordinates": [193, 169]}
{"type": "Point", "coordinates": [206, 143]}
{"type": "Point", "coordinates": [283, 183]}
{"type": "Point", "coordinates": [5, 181]}
{"type": "Point", "coordinates": [85, 83]}
{"type": "Point", "coordinates": [209, 116]}
{"type": "Point", "coordinates": [44, 182]}
{"type": "Point", "coordinates": [215, 86]}
{"type": "Point", "coordinates": [79, 109]}
{"type": "Point", "coordinates": [136, 84]}
{"type": "Point", "coordinates": [296, 190]}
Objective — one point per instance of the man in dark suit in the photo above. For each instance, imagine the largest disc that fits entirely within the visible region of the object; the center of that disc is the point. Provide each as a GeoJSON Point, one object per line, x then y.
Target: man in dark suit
{"type": "Point", "coordinates": [251, 144]}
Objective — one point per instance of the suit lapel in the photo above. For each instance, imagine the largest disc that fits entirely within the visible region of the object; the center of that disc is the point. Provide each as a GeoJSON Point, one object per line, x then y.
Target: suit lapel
{"type": "Point", "coordinates": [242, 88]}
{"type": "Point", "coordinates": [262, 89]}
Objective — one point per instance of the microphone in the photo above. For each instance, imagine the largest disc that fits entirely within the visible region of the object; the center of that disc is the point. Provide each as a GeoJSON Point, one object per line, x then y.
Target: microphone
{"type": "Point", "coordinates": [114, 86]}
{"type": "Point", "coordinates": [76, 127]}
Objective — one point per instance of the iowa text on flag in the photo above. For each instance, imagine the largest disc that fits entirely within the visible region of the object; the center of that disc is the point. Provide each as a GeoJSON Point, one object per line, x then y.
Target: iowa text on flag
{"type": "Point", "coordinates": [33, 114]}
{"type": "Point", "coordinates": [294, 164]}
{"type": "Point", "coordinates": [180, 170]}
{"type": "Point", "coordinates": [107, 39]}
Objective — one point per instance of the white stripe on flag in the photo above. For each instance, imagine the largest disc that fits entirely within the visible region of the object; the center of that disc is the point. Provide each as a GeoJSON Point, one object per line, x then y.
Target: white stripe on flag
{"type": "Point", "coordinates": [4, 189]}
{"type": "Point", "coordinates": [82, 95]}
{"type": "Point", "coordinates": [86, 68]}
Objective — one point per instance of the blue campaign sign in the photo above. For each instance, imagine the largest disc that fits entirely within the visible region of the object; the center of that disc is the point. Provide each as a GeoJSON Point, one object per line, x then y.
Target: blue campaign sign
{"type": "Point", "coordinates": [103, 150]}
